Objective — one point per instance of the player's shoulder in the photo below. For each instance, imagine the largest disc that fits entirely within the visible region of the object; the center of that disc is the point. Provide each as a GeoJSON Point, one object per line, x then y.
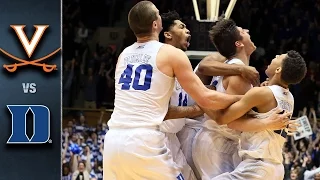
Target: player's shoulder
{"type": "Point", "coordinates": [260, 92]}
{"type": "Point", "coordinates": [170, 53]}
{"type": "Point", "coordinates": [237, 80]}
{"type": "Point", "coordinates": [170, 50]}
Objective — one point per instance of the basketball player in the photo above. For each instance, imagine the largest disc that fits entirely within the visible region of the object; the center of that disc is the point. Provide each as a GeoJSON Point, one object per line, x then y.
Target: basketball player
{"type": "Point", "coordinates": [215, 148]}
{"type": "Point", "coordinates": [176, 34]}
{"type": "Point", "coordinates": [261, 152]}
{"type": "Point", "coordinates": [144, 80]}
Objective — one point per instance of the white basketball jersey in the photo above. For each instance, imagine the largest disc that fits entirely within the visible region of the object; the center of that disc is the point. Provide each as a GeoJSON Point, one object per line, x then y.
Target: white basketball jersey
{"type": "Point", "coordinates": [217, 81]}
{"type": "Point", "coordinates": [267, 144]}
{"type": "Point", "coordinates": [178, 98]}
{"type": "Point", "coordinates": [142, 91]}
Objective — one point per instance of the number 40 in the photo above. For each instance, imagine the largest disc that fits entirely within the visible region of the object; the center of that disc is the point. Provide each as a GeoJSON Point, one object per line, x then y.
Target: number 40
{"type": "Point", "coordinates": [126, 78]}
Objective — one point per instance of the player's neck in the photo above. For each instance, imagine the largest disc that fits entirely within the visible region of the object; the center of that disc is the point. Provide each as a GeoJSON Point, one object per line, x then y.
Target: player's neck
{"type": "Point", "coordinates": [172, 44]}
{"type": "Point", "coordinates": [243, 57]}
{"type": "Point", "coordinates": [144, 39]}
{"type": "Point", "coordinates": [277, 81]}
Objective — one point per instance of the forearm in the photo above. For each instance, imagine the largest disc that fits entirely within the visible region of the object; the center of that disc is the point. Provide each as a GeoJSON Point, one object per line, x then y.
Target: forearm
{"type": "Point", "coordinates": [216, 100]}
{"type": "Point", "coordinates": [248, 124]}
{"type": "Point", "coordinates": [219, 69]}
{"type": "Point", "coordinates": [175, 112]}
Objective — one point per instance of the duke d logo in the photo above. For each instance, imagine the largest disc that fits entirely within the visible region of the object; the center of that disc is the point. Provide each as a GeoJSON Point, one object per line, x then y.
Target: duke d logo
{"type": "Point", "coordinates": [29, 47]}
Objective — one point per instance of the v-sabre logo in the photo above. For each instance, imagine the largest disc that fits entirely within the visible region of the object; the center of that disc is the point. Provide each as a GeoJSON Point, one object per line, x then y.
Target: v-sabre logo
{"type": "Point", "coordinates": [29, 47]}
{"type": "Point", "coordinates": [41, 124]}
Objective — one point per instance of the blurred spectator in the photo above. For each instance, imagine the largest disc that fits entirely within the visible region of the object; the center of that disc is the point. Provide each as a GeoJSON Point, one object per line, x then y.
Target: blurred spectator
{"type": "Point", "coordinates": [66, 173]}
{"type": "Point", "coordinates": [90, 85]}
{"type": "Point", "coordinates": [81, 173]}
{"type": "Point", "coordinates": [80, 37]}
{"type": "Point", "coordinates": [82, 149]}
{"type": "Point", "coordinates": [68, 75]}
{"type": "Point", "coordinates": [81, 127]}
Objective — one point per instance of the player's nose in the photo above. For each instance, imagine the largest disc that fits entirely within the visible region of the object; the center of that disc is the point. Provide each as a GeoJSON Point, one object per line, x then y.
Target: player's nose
{"type": "Point", "coordinates": [187, 31]}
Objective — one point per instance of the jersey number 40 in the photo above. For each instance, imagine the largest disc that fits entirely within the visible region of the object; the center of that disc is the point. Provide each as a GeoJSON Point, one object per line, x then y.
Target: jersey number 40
{"type": "Point", "coordinates": [126, 77]}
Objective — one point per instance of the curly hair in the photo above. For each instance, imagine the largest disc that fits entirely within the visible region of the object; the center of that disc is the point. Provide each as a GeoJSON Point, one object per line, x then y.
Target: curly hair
{"type": "Point", "coordinates": [294, 68]}
{"type": "Point", "coordinates": [167, 22]}
{"type": "Point", "coordinates": [223, 35]}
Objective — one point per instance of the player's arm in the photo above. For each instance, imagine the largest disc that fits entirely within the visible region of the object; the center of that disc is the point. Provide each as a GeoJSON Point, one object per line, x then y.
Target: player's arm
{"type": "Point", "coordinates": [175, 112]}
{"type": "Point", "coordinates": [234, 85]}
{"type": "Point", "coordinates": [248, 123]}
{"type": "Point", "coordinates": [253, 98]}
{"type": "Point", "coordinates": [213, 65]}
{"type": "Point", "coordinates": [191, 83]}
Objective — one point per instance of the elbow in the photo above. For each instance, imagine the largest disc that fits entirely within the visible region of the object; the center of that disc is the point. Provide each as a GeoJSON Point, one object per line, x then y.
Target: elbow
{"type": "Point", "coordinates": [203, 101]}
{"type": "Point", "coordinates": [202, 68]}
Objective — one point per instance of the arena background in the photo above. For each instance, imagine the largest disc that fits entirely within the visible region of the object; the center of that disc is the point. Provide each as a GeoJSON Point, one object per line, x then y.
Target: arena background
{"type": "Point", "coordinates": [96, 31]}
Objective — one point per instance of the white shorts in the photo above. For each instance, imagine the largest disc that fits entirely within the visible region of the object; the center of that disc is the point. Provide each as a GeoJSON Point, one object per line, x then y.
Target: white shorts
{"type": "Point", "coordinates": [138, 154]}
{"type": "Point", "coordinates": [254, 169]}
{"type": "Point", "coordinates": [186, 137]}
{"type": "Point", "coordinates": [214, 154]}
{"type": "Point", "coordinates": [178, 157]}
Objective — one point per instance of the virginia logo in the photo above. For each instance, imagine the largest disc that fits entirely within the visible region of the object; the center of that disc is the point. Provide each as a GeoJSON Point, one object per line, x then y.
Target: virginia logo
{"type": "Point", "coordinates": [29, 47]}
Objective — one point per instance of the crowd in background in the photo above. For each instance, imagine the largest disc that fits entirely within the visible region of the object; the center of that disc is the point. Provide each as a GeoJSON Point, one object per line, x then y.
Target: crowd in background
{"type": "Point", "coordinates": [275, 27]}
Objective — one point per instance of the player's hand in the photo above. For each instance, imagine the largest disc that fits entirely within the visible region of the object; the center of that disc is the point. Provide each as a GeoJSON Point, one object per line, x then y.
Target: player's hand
{"type": "Point", "coordinates": [211, 87]}
{"type": "Point", "coordinates": [265, 83]}
{"type": "Point", "coordinates": [251, 74]}
{"type": "Point", "coordinates": [277, 121]}
{"type": "Point", "coordinates": [292, 127]}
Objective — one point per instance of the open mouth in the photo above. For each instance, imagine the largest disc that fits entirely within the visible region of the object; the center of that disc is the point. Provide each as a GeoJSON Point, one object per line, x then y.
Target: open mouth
{"type": "Point", "coordinates": [188, 39]}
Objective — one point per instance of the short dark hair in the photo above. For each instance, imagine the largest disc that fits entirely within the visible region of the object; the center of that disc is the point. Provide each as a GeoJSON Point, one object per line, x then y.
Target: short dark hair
{"type": "Point", "coordinates": [294, 68]}
{"type": "Point", "coordinates": [141, 17]}
{"type": "Point", "coordinates": [167, 22]}
{"type": "Point", "coordinates": [223, 35]}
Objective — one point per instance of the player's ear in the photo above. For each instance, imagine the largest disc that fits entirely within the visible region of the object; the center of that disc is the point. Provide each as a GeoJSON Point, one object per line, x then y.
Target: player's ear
{"type": "Point", "coordinates": [238, 44]}
{"type": "Point", "coordinates": [154, 24]}
{"type": "Point", "coordinates": [167, 35]}
{"type": "Point", "coordinates": [278, 70]}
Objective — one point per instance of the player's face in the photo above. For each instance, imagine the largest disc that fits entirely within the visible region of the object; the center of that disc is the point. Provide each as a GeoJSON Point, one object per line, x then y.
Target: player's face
{"type": "Point", "coordinates": [248, 45]}
{"type": "Point", "coordinates": [179, 35]}
{"type": "Point", "coordinates": [157, 24]}
{"type": "Point", "coordinates": [275, 65]}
